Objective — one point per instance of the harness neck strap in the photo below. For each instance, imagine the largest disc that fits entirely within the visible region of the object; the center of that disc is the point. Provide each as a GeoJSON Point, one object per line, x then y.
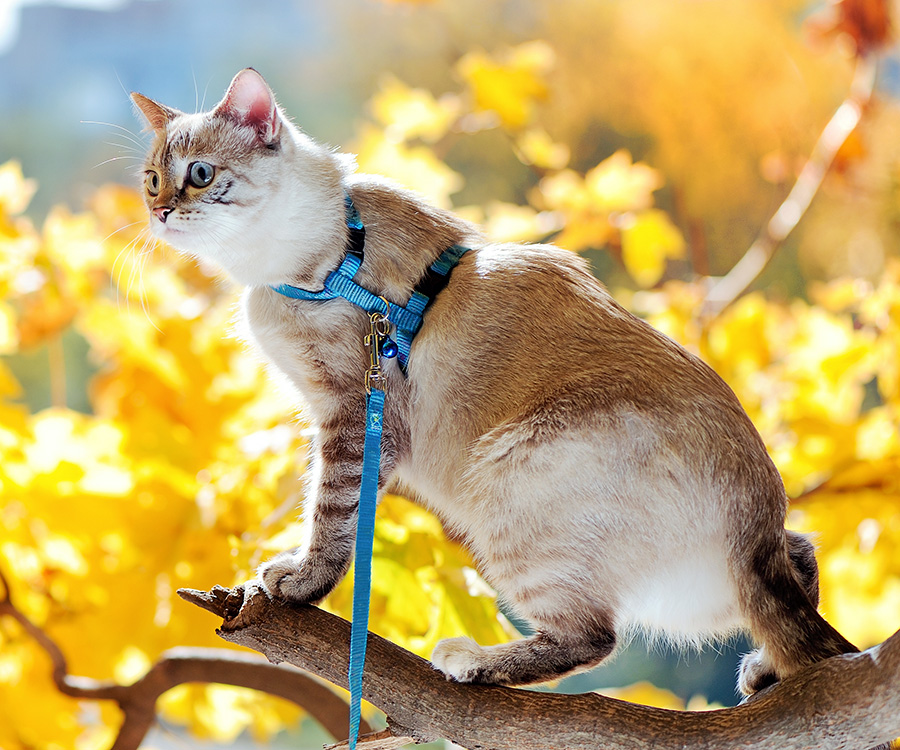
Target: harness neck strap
{"type": "Point", "coordinates": [407, 320]}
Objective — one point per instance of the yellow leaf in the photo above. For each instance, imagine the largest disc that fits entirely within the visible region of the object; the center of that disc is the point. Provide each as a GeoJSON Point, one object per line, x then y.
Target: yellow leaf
{"type": "Point", "coordinates": [508, 222]}
{"type": "Point", "coordinates": [649, 239]}
{"type": "Point", "coordinates": [399, 597]}
{"type": "Point", "coordinates": [590, 204]}
{"type": "Point", "coordinates": [408, 113]}
{"type": "Point", "coordinates": [15, 191]}
{"type": "Point", "coordinates": [9, 386]}
{"type": "Point", "coordinates": [415, 167]}
{"type": "Point", "coordinates": [740, 337]}
{"type": "Point", "coordinates": [132, 665]}
{"type": "Point", "coordinates": [71, 242]}
{"type": "Point", "coordinates": [617, 184]}
{"type": "Point", "coordinates": [509, 84]}
{"type": "Point", "coordinates": [647, 694]}
{"type": "Point", "coordinates": [9, 337]}
{"type": "Point", "coordinates": [565, 190]}
{"type": "Point", "coordinates": [535, 146]}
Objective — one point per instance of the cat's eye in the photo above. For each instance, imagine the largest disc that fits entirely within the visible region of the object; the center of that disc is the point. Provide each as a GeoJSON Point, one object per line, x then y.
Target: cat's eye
{"type": "Point", "coordinates": [151, 182]}
{"type": "Point", "coordinates": [200, 174]}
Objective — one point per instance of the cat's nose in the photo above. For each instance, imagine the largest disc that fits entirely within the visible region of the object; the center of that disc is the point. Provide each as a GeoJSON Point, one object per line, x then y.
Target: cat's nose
{"type": "Point", "coordinates": [162, 213]}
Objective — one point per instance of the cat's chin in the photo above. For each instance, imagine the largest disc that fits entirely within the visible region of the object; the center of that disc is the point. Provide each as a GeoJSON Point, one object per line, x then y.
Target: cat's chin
{"type": "Point", "coordinates": [248, 273]}
{"type": "Point", "coordinates": [231, 257]}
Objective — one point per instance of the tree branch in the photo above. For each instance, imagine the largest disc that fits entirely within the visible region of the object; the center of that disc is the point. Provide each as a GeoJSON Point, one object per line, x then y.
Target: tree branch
{"type": "Point", "coordinates": [850, 701]}
{"type": "Point", "coordinates": [728, 288]}
{"type": "Point", "coordinates": [181, 665]}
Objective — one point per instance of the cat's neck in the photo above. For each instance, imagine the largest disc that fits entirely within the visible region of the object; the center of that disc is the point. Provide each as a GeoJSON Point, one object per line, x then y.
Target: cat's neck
{"type": "Point", "coordinates": [404, 235]}
{"type": "Point", "coordinates": [307, 215]}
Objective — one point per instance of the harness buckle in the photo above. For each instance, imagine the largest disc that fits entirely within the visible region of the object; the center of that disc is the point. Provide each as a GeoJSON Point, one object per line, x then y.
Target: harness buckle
{"type": "Point", "coordinates": [379, 329]}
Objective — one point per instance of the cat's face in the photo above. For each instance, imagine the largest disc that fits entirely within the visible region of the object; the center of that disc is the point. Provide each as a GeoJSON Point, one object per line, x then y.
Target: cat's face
{"type": "Point", "coordinates": [236, 185]}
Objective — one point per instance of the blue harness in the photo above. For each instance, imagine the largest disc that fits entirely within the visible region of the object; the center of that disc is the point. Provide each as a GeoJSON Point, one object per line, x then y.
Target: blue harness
{"type": "Point", "coordinates": [406, 322]}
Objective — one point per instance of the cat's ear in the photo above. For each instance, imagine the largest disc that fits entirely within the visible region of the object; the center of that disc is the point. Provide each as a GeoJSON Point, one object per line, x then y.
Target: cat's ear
{"type": "Point", "coordinates": [250, 101]}
{"type": "Point", "coordinates": [158, 115]}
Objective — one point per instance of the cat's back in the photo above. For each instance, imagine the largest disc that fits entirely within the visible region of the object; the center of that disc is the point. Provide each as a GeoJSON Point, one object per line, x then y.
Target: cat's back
{"type": "Point", "coordinates": [525, 334]}
{"type": "Point", "coordinates": [535, 314]}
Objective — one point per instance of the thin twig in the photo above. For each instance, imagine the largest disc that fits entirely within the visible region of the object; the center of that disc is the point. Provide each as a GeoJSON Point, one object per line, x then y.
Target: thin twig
{"type": "Point", "coordinates": [728, 288]}
{"type": "Point", "coordinates": [57, 658]}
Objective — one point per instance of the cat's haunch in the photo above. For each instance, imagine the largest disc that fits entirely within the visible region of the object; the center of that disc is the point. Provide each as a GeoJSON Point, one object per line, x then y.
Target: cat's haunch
{"type": "Point", "coordinates": [614, 482]}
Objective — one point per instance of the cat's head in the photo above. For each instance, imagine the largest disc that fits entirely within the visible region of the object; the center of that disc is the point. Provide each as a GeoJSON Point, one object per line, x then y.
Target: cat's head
{"type": "Point", "coordinates": [240, 185]}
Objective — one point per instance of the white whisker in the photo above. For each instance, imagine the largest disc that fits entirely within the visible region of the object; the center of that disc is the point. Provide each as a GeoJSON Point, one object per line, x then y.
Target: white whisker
{"type": "Point", "coordinates": [144, 306]}
{"type": "Point", "coordinates": [196, 90]}
{"type": "Point", "coordinates": [205, 92]}
{"type": "Point", "coordinates": [128, 249]}
{"type": "Point", "coordinates": [126, 133]}
{"type": "Point", "coordinates": [123, 228]}
{"type": "Point", "coordinates": [116, 158]}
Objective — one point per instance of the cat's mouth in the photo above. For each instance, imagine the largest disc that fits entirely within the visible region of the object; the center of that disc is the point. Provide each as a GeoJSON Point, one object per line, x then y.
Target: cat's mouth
{"type": "Point", "coordinates": [161, 229]}
{"type": "Point", "coordinates": [171, 235]}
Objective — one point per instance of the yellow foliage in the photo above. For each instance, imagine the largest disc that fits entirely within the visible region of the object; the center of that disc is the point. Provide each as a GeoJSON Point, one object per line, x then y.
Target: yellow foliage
{"type": "Point", "coordinates": [409, 113]}
{"type": "Point", "coordinates": [616, 184]}
{"type": "Point", "coordinates": [509, 222]}
{"type": "Point", "coordinates": [186, 474]}
{"type": "Point", "coordinates": [649, 239]}
{"type": "Point", "coordinates": [15, 191]}
{"type": "Point", "coordinates": [415, 167]}
{"type": "Point", "coordinates": [611, 204]}
{"type": "Point", "coordinates": [509, 84]}
{"type": "Point", "coordinates": [647, 694]}
{"type": "Point", "coordinates": [535, 146]}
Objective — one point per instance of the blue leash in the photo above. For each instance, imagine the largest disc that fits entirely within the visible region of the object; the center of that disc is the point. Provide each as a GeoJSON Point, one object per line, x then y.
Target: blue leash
{"type": "Point", "coordinates": [406, 322]}
{"type": "Point", "coordinates": [362, 573]}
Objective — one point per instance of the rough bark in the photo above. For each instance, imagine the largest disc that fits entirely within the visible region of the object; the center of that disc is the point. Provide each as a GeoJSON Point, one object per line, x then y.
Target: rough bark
{"type": "Point", "coordinates": [850, 701]}
{"type": "Point", "coordinates": [177, 666]}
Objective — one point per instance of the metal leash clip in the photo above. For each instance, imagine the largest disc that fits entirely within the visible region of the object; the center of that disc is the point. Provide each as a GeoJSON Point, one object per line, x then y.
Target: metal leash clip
{"type": "Point", "coordinates": [379, 344]}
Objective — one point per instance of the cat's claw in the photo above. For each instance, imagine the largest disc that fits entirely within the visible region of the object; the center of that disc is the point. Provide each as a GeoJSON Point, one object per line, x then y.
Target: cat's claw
{"type": "Point", "coordinates": [458, 658]}
{"type": "Point", "coordinates": [281, 578]}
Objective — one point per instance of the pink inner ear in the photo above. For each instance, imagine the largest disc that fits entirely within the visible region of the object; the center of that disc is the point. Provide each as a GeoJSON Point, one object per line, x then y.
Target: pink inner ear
{"type": "Point", "coordinates": [250, 101]}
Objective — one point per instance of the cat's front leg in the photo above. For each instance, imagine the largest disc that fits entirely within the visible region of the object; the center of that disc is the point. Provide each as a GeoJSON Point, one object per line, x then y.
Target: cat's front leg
{"type": "Point", "coordinates": [308, 573]}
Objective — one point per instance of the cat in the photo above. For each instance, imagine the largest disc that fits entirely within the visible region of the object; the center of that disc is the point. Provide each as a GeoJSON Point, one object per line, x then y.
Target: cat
{"type": "Point", "coordinates": [603, 478]}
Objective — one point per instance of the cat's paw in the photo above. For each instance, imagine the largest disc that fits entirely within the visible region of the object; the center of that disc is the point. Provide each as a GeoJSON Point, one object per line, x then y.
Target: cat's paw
{"type": "Point", "coordinates": [282, 578]}
{"type": "Point", "coordinates": [459, 658]}
{"type": "Point", "coordinates": [755, 673]}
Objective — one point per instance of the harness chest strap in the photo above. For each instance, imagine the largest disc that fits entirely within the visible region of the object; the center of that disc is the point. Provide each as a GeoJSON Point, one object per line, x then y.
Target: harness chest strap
{"type": "Point", "coordinates": [407, 320]}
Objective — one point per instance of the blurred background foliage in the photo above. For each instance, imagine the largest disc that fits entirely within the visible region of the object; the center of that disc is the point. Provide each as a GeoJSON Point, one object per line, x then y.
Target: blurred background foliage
{"type": "Point", "coordinates": [142, 449]}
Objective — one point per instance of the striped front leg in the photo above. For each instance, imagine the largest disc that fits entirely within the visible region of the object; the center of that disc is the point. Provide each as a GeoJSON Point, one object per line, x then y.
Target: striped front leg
{"type": "Point", "coordinates": [309, 572]}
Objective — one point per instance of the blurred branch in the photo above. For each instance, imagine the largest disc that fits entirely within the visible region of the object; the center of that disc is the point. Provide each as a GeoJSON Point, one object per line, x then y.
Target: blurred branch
{"type": "Point", "coordinates": [57, 361]}
{"type": "Point", "coordinates": [181, 665]}
{"type": "Point", "coordinates": [728, 288]}
{"type": "Point", "coordinates": [848, 701]}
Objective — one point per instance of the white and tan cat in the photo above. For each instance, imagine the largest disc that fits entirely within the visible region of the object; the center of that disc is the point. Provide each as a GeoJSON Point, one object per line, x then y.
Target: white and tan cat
{"type": "Point", "coordinates": [603, 477]}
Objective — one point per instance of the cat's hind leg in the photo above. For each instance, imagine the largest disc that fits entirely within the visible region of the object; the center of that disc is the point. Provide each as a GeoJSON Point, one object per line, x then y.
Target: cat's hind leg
{"type": "Point", "coordinates": [809, 636]}
{"type": "Point", "coordinates": [541, 657]}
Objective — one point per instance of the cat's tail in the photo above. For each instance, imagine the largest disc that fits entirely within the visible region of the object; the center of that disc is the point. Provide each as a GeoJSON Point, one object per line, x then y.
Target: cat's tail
{"type": "Point", "coordinates": [781, 591]}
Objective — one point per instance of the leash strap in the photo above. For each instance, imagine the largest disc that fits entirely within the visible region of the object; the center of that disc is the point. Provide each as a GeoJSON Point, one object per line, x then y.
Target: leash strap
{"type": "Point", "coordinates": [362, 572]}
{"type": "Point", "coordinates": [406, 322]}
